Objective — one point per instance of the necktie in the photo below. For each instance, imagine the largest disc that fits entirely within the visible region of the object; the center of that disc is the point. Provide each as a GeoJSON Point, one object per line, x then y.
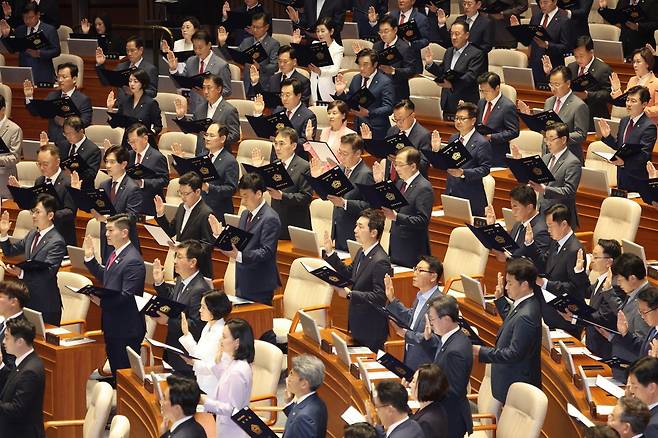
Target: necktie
{"type": "Point", "coordinates": [31, 31]}
{"type": "Point", "coordinates": [35, 242]}
{"type": "Point", "coordinates": [249, 219]}
{"type": "Point", "coordinates": [438, 349]}
{"type": "Point", "coordinates": [403, 189]}
{"type": "Point", "coordinates": [364, 83]}
{"type": "Point", "coordinates": [557, 106]}
{"type": "Point", "coordinates": [72, 150]}
{"type": "Point", "coordinates": [520, 234]}
{"type": "Point", "coordinates": [111, 260]}
{"type": "Point", "coordinates": [48, 180]}
{"type": "Point", "coordinates": [551, 163]}
{"type": "Point", "coordinates": [201, 67]}
{"type": "Point", "coordinates": [387, 45]}
{"type": "Point", "coordinates": [581, 71]}
{"type": "Point", "coordinates": [2, 327]}
{"type": "Point", "coordinates": [113, 191]}
{"type": "Point", "coordinates": [544, 23]}
{"type": "Point", "coordinates": [629, 128]}
{"type": "Point", "coordinates": [178, 290]}
{"type": "Point", "coordinates": [211, 156]}
{"type": "Point", "coordinates": [289, 113]}
{"type": "Point", "coordinates": [393, 174]}
{"type": "Point", "coordinates": [402, 18]}
{"type": "Point", "coordinates": [139, 159]}
{"type": "Point", "coordinates": [359, 260]}
{"type": "Point", "coordinates": [461, 140]}
{"type": "Point", "coordinates": [348, 172]}
{"type": "Point", "coordinates": [487, 112]}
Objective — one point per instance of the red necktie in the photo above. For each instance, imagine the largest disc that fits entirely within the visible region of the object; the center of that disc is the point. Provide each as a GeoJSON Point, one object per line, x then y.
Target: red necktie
{"type": "Point", "coordinates": [402, 18]}
{"type": "Point", "coordinates": [113, 191]}
{"type": "Point", "coordinates": [581, 71]}
{"type": "Point", "coordinates": [403, 189]}
{"type": "Point", "coordinates": [487, 112]}
{"type": "Point", "coordinates": [393, 174]}
{"type": "Point", "coordinates": [629, 128]}
{"type": "Point", "coordinates": [249, 219]}
{"type": "Point", "coordinates": [557, 106]}
{"type": "Point", "coordinates": [111, 260]}
{"type": "Point", "coordinates": [35, 242]}
{"type": "Point", "coordinates": [289, 113]}
{"type": "Point", "coordinates": [544, 23]}
{"type": "Point", "coordinates": [139, 159]}
{"type": "Point", "coordinates": [201, 67]}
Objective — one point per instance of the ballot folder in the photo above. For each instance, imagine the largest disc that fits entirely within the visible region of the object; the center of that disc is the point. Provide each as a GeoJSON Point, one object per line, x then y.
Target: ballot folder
{"type": "Point", "coordinates": [139, 171]}
{"type": "Point", "coordinates": [452, 156]}
{"type": "Point", "coordinates": [620, 100]}
{"type": "Point", "coordinates": [252, 424]}
{"type": "Point", "coordinates": [200, 165]}
{"type": "Point", "coordinates": [409, 31]}
{"type": "Point", "coordinates": [651, 194]}
{"type": "Point", "coordinates": [583, 82]}
{"type": "Point", "coordinates": [361, 98]}
{"type": "Point", "coordinates": [90, 289]}
{"type": "Point", "coordinates": [151, 305]}
{"type": "Point", "coordinates": [60, 107]}
{"type": "Point", "coordinates": [118, 120]}
{"type": "Point", "coordinates": [448, 75]}
{"type": "Point", "coordinates": [275, 174]}
{"type": "Point", "coordinates": [571, 303]}
{"type": "Point", "coordinates": [329, 276]}
{"type": "Point", "coordinates": [495, 237]}
{"type": "Point", "coordinates": [524, 33]}
{"type": "Point", "coordinates": [96, 199]}
{"type": "Point", "coordinates": [332, 182]}
{"type": "Point", "coordinates": [316, 54]}
{"type": "Point", "coordinates": [29, 265]}
{"type": "Point", "coordinates": [233, 236]}
{"type": "Point", "coordinates": [74, 163]}
{"type": "Point", "coordinates": [117, 78]}
{"type": "Point", "coordinates": [293, 3]}
{"type": "Point", "coordinates": [267, 126]}
{"type": "Point", "coordinates": [239, 20]}
{"type": "Point", "coordinates": [469, 331]}
{"type": "Point", "coordinates": [394, 365]}
{"type": "Point", "coordinates": [389, 56]}
{"type": "Point", "coordinates": [626, 150]}
{"type": "Point", "coordinates": [251, 55]}
{"type": "Point", "coordinates": [26, 197]}
{"type": "Point", "coordinates": [537, 122]}
{"type": "Point", "coordinates": [383, 194]}
{"type": "Point", "coordinates": [616, 362]}
{"type": "Point", "coordinates": [484, 129]}
{"type": "Point", "coordinates": [35, 41]}
{"type": "Point", "coordinates": [193, 126]}
{"type": "Point", "coordinates": [182, 56]}
{"type": "Point", "coordinates": [195, 81]}
{"type": "Point", "coordinates": [391, 145]}
{"type": "Point", "coordinates": [530, 168]}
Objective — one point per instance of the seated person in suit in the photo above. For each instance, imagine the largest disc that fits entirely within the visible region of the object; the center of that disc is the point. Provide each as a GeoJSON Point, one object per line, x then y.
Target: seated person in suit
{"type": "Point", "coordinates": [191, 220]}
{"type": "Point", "coordinates": [22, 389]}
{"type": "Point", "coordinates": [410, 224]}
{"type": "Point", "coordinates": [256, 271]}
{"type": "Point", "coordinates": [498, 113]}
{"type": "Point", "coordinates": [637, 33]}
{"type": "Point", "coordinates": [647, 306]}
{"type": "Point", "coordinates": [516, 357]}
{"type": "Point", "coordinates": [643, 384]}
{"type": "Point", "coordinates": [380, 86]}
{"type": "Point", "coordinates": [405, 13]}
{"type": "Point", "coordinates": [250, 7]}
{"type": "Point", "coordinates": [78, 144]}
{"type": "Point", "coordinates": [360, 430]}
{"type": "Point", "coordinates": [40, 60]}
{"type": "Point", "coordinates": [630, 417]}
{"type": "Point", "coordinates": [463, 58]}
{"type": "Point", "coordinates": [292, 203]}
{"type": "Point", "coordinates": [391, 403]}
{"type": "Point", "coordinates": [12, 135]}
{"type": "Point", "coordinates": [102, 25]}
{"type": "Point", "coordinates": [43, 244]}
{"type": "Point", "coordinates": [13, 297]}
{"type": "Point", "coordinates": [367, 326]}
{"type": "Point", "coordinates": [181, 397]}
{"type": "Point", "coordinates": [135, 59]}
{"type": "Point", "coordinates": [306, 411]}
{"type": "Point", "coordinates": [148, 156]}
{"type": "Point", "coordinates": [295, 110]}
{"type": "Point", "coordinates": [67, 75]}
{"type": "Point", "coordinates": [466, 181]}
{"type": "Point", "coordinates": [480, 26]}
{"type": "Point", "coordinates": [430, 387]}
{"type": "Point", "coordinates": [635, 128]}
{"type": "Point", "coordinates": [643, 61]}
{"type": "Point", "coordinates": [426, 278]}
{"type": "Point", "coordinates": [189, 287]}
{"type": "Point", "coordinates": [271, 83]}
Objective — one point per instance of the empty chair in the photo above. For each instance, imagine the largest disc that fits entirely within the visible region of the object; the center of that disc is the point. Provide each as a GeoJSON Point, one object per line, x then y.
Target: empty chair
{"type": "Point", "coordinates": [465, 255]}
{"type": "Point", "coordinates": [506, 57]}
{"type": "Point", "coordinates": [244, 107]}
{"type": "Point", "coordinates": [604, 31]}
{"type": "Point", "coordinates": [487, 406]}
{"type": "Point", "coordinates": [98, 134]}
{"type": "Point", "coordinates": [100, 178]}
{"type": "Point", "coordinates": [618, 219]}
{"type": "Point", "coordinates": [321, 217]}
{"type": "Point", "coordinates": [167, 101]}
{"type": "Point", "coordinates": [63, 33]}
{"type": "Point", "coordinates": [74, 305]}
{"type": "Point", "coordinates": [5, 91]}
{"type": "Point", "coordinates": [120, 427]}
{"type": "Point", "coordinates": [23, 224]}
{"type": "Point", "coordinates": [74, 59]}
{"type": "Point", "coordinates": [187, 141]}
{"type": "Point", "coordinates": [27, 172]}
{"type": "Point", "coordinates": [426, 95]}
{"type": "Point", "coordinates": [489, 183]}
{"type": "Point", "coordinates": [268, 359]}
{"type": "Point", "coordinates": [98, 412]}
{"type": "Point", "coordinates": [322, 116]}
{"type": "Point", "coordinates": [529, 143]}
{"type": "Point", "coordinates": [594, 161]}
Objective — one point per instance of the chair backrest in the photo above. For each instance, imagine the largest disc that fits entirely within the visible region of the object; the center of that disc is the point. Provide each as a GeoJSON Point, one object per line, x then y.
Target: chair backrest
{"type": "Point", "coordinates": [63, 33]}
{"type": "Point", "coordinates": [619, 219]}
{"type": "Point", "coordinates": [75, 59]}
{"type": "Point", "coordinates": [98, 411]}
{"type": "Point", "coordinates": [529, 142]}
{"type": "Point", "coordinates": [525, 409]}
{"type": "Point", "coordinates": [437, 51]}
{"type": "Point", "coordinates": [303, 72]}
{"type": "Point", "coordinates": [593, 161]}
{"type": "Point", "coordinates": [244, 107]}
{"type": "Point", "coordinates": [246, 146]}
{"type": "Point", "coordinates": [508, 91]}
{"type": "Point", "coordinates": [349, 57]}
{"type": "Point", "coordinates": [172, 196]}
{"type": "Point", "coordinates": [321, 217]}
{"type": "Point", "coordinates": [98, 134]}
{"type": "Point", "coordinates": [74, 306]}
{"type": "Point", "coordinates": [424, 87]}
{"type": "Point", "coordinates": [349, 75]}
{"type": "Point", "coordinates": [23, 224]}
{"type": "Point", "coordinates": [604, 31]}
{"type": "Point", "coordinates": [266, 368]}
{"type": "Point", "coordinates": [93, 229]}
{"type": "Point", "coordinates": [100, 177]}
{"type": "Point", "coordinates": [187, 141]}
{"type": "Point", "coordinates": [507, 57]}
{"type": "Point", "coordinates": [27, 172]}
{"type": "Point", "coordinates": [120, 427]}
{"type": "Point", "coordinates": [465, 252]}
{"type": "Point", "coordinates": [167, 101]}
{"type": "Point", "coordinates": [320, 112]}
{"type": "Point", "coordinates": [489, 188]}
{"type": "Point", "coordinates": [229, 278]}
{"type": "Point", "coordinates": [236, 74]}
{"type": "Point", "coordinates": [5, 91]}
{"type": "Point", "coordinates": [300, 281]}
{"type": "Point", "coordinates": [283, 38]}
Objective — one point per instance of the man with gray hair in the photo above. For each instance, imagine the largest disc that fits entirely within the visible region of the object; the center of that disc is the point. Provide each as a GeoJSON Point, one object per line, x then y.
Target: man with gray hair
{"type": "Point", "coordinates": [307, 413]}
{"type": "Point", "coordinates": [629, 417]}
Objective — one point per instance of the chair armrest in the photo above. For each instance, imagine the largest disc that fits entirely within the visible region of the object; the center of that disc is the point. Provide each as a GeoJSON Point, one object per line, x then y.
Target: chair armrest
{"type": "Point", "coordinates": [295, 319]}
{"type": "Point", "coordinates": [62, 423]}
{"type": "Point", "coordinates": [82, 324]}
{"type": "Point", "coordinates": [277, 429]}
{"type": "Point", "coordinates": [472, 396]}
{"type": "Point", "coordinates": [277, 303]}
{"type": "Point", "coordinates": [491, 417]}
{"type": "Point", "coordinates": [485, 427]}
{"type": "Point", "coordinates": [272, 409]}
{"type": "Point", "coordinates": [93, 333]}
{"type": "Point", "coordinates": [448, 284]}
{"type": "Point", "coordinates": [218, 283]}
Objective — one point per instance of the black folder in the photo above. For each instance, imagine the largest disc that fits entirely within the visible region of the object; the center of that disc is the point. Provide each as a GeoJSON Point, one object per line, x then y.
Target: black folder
{"type": "Point", "coordinates": [468, 331]}
{"type": "Point", "coordinates": [566, 4]}
{"type": "Point", "coordinates": [583, 82]}
{"type": "Point", "coordinates": [328, 275]}
{"type": "Point", "coordinates": [530, 169]}
{"type": "Point", "coordinates": [275, 174]}
{"type": "Point", "coordinates": [448, 75]}
{"type": "Point", "coordinates": [139, 171]}
{"type": "Point", "coordinates": [484, 129]}
{"type": "Point", "coordinates": [454, 155]}
{"type": "Point", "coordinates": [383, 194]}
{"type": "Point", "coordinates": [389, 56]}
{"type": "Point", "coordinates": [100, 292]}
{"type": "Point", "coordinates": [294, 3]}
{"type": "Point", "coordinates": [83, 36]}
{"type": "Point", "coordinates": [388, 146]}
{"type": "Point", "coordinates": [60, 107]}
{"type": "Point", "coordinates": [96, 199]}
{"type": "Point", "coordinates": [4, 149]}
{"type": "Point", "coordinates": [524, 33]}
{"type": "Point", "coordinates": [35, 41]}
{"type": "Point", "coordinates": [537, 122]}
{"type": "Point", "coordinates": [397, 367]}
{"type": "Point", "coordinates": [332, 182]}
{"type": "Point", "coordinates": [495, 237]}
{"type": "Point", "coordinates": [117, 78]}
{"type": "Point", "coordinates": [26, 197]}
{"type": "Point", "coordinates": [183, 55]}
{"type": "Point", "coordinates": [118, 120]}
{"type": "Point", "coordinates": [620, 100]}
{"type": "Point", "coordinates": [361, 98]}
{"type": "Point", "coordinates": [267, 126]}
{"type": "Point", "coordinates": [621, 16]}
{"type": "Point", "coordinates": [574, 304]}
{"type": "Point", "coordinates": [251, 55]}
{"type": "Point", "coordinates": [240, 19]}
{"type": "Point", "coordinates": [651, 194]}
{"type": "Point", "coordinates": [316, 54]}
{"type": "Point", "coordinates": [247, 420]}
{"type": "Point", "coordinates": [271, 99]}
{"type": "Point", "coordinates": [200, 165]}
{"type": "Point", "coordinates": [74, 163]}
{"type": "Point", "coordinates": [195, 81]}
{"type": "Point", "coordinates": [616, 362]}
{"type": "Point", "coordinates": [233, 236]}
{"type": "Point", "coordinates": [193, 126]}
{"type": "Point", "coordinates": [160, 304]}
{"type": "Point", "coordinates": [33, 265]}
{"type": "Point", "coordinates": [409, 31]}
{"type": "Point", "coordinates": [627, 150]}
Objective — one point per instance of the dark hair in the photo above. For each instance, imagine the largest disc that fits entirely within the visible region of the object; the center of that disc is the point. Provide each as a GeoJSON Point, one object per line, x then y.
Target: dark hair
{"type": "Point", "coordinates": [202, 35]}
{"type": "Point", "coordinates": [218, 304]}
{"type": "Point", "coordinates": [253, 182]}
{"type": "Point", "coordinates": [50, 147]}
{"type": "Point", "coordinates": [341, 106]}
{"type": "Point", "coordinates": [31, 7]}
{"type": "Point", "coordinates": [359, 430]}
{"type": "Point", "coordinates": [353, 140]}
{"type": "Point", "coordinates": [611, 247]}
{"type": "Point", "coordinates": [470, 108]}
{"type": "Point", "coordinates": [191, 179]}
{"type": "Point", "coordinates": [585, 41]}
{"type": "Point", "coordinates": [559, 213]}
{"type": "Point", "coordinates": [240, 329]}
{"type": "Point", "coordinates": [71, 66]}
{"type": "Point", "coordinates": [645, 370]}
{"type": "Point", "coordinates": [413, 155]}
{"type": "Point", "coordinates": [48, 202]}
{"type": "Point", "coordinates": [193, 20]}
{"type": "Point", "coordinates": [107, 22]}
{"type": "Point", "coordinates": [261, 16]}
{"type": "Point", "coordinates": [217, 80]}
{"type": "Point", "coordinates": [295, 83]}
{"type": "Point", "coordinates": [3, 104]}
{"type": "Point", "coordinates": [435, 265]}
{"type": "Point", "coordinates": [327, 22]}
{"type": "Point", "coordinates": [21, 328]}
{"type": "Point", "coordinates": [143, 77]}
{"type": "Point", "coordinates": [15, 289]}
{"type": "Point", "coordinates": [387, 19]}
{"type": "Point", "coordinates": [74, 122]}
{"type": "Point", "coordinates": [406, 104]}
{"type": "Point", "coordinates": [445, 305]}
{"type": "Point", "coordinates": [184, 392]}
{"type": "Point", "coordinates": [392, 393]}
{"type": "Point", "coordinates": [646, 55]}
{"type": "Point", "coordinates": [289, 50]}
{"type": "Point", "coordinates": [463, 23]}
{"type": "Point", "coordinates": [431, 383]}
{"type": "Point", "coordinates": [650, 296]}
{"type": "Point", "coordinates": [634, 412]}
{"type": "Point", "coordinates": [629, 264]}
{"type": "Point", "coordinates": [600, 431]}
{"type": "Point", "coordinates": [120, 153]}
{"type": "Point", "coordinates": [376, 220]}
{"type": "Point", "coordinates": [121, 221]}
{"type": "Point", "coordinates": [642, 92]}
{"type": "Point", "coordinates": [524, 195]}
{"type": "Point", "coordinates": [522, 270]}
{"type": "Point", "coordinates": [139, 41]}
{"type": "Point", "coordinates": [222, 130]}
{"type": "Point", "coordinates": [138, 128]}
{"type": "Point", "coordinates": [561, 129]}
{"type": "Point", "coordinates": [193, 249]}
{"type": "Point", "coordinates": [289, 133]}
{"type": "Point", "coordinates": [367, 53]}
{"type": "Point", "coordinates": [490, 78]}
{"type": "Point", "coordinates": [566, 73]}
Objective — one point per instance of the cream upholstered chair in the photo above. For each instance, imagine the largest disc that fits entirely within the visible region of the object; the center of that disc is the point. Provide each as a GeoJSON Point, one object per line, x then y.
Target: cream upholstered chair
{"type": "Point", "coordinates": [187, 141]}
{"type": "Point", "coordinates": [93, 229]}
{"type": "Point", "coordinates": [426, 96]}
{"type": "Point", "coordinates": [5, 91]}
{"type": "Point", "coordinates": [282, 38]}
{"type": "Point", "coordinates": [23, 224]}
{"type": "Point", "coordinates": [244, 107]}
{"type": "Point", "coordinates": [100, 177]}
{"type": "Point", "coordinates": [63, 33]}
{"type": "Point", "coordinates": [27, 172]}
{"type": "Point", "coordinates": [120, 427]}
{"type": "Point", "coordinates": [529, 142]}
{"type": "Point", "coordinates": [74, 306]}
{"type": "Point", "coordinates": [525, 409]}
{"type": "Point", "coordinates": [320, 112]}
{"type": "Point", "coordinates": [506, 57]}
{"type": "Point", "coordinates": [321, 216]}
{"type": "Point", "coordinates": [593, 161]}
{"type": "Point", "coordinates": [167, 101]}
{"type": "Point", "coordinates": [349, 75]}
{"type": "Point", "coordinates": [98, 134]}
{"type": "Point", "coordinates": [93, 425]}
{"type": "Point", "coordinates": [618, 219]}
{"type": "Point", "coordinates": [604, 31]}
{"type": "Point", "coordinates": [228, 282]}
{"type": "Point", "coordinates": [508, 91]}
{"type": "Point", "coordinates": [246, 146]}
{"type": "Point", "coordinates": [489, 183]}
{"type": "Point", "coordinates": [236, 74]}
{"type": "Point", "coordinates": [437, 52]}
{"type": "Point", "coordinates": [172, 196]}
{"type": "Point", "coordinates": [484, 400]}
{"type": "Point", "coordinates": [268, 359]}
{"type": "Point", "coordinates": [349, 57]}
{"type": "Point", "coordinates": [74, 59]}
{"type": "Point", "coordinates": [465, 255]}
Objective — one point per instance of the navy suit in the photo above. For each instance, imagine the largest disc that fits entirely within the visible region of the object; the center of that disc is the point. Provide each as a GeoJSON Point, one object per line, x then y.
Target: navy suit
{"type": "Point", "coordinates": [598, 93]}
{"type": "Point", "coordinates": [48, 12]}
{"type": "Point", "coordinates": [307, 419]}
{"type": "Point", "coordinates": [651, 430]}
{"type": "Point", "coordinates": [123, 325]}
{"type": "Point", "coordinates": [147, 111]}
{"type": "Point", "coordinates": [579, 18]}
{"type": "Point", "coordinates": [470, 186]}
{"type": "Point", "coordinates": [344, 220]}
{"type": "Point", "coordinates": [299, 121]}
{"type": "Point", "coordinates": [91, 154]}
{"type": "Point", "coordinates": [422, 23]}
{"type": "Point", "coordinates": [187, 429]}
{"type": "Point", "coordinates": [220, 192]}
{"type": "Point", "coordinates": [632, 175]}
{"type": "Point", "coordinates": [360, 15]}
{"type": "Point", "coordinates": [539, 232]}
{"type": "Point", "coordinates": [65, 215]}
{"type": "Point", "coordinates": [21, 399]}
{"type": "Point", "coordinates": [367, 326]}
{"type": "Point", "coordinates": [226, 115]}
{"type": "Point", "coordinates": [150, 69]}
{"type": "Point", "coordinates": [272, 84]}
{"type": "Point", "coordinates": [408, 429]}
{"type": "Point", "coordinates": [128, 200]}
{"type": "Point", "coordinates": [42, 66]}
{"type": "Point", "coordinates": [558, 30]}
{"type": "Point", "coordinates": [480, 33]}
{"type": "Point", "coordinates": [405, 68]}
{"type": "Point", "coordinates": [257, 276]}
{"type": "Point", "coordinates": [504, 119]}
{"type": "Point", "coordinates": [154, 160]}
{"type": "Point", "coordinates": [8, 359]}
{"type": "Point", "coordinates": [293, 208]}
{"type": "Point", "coordinates": [606, 304]}
{"type": "Point", "coordinates": [420, 138]}
{"type": "Point", "coordinates": [516, 357]}
{"type": "Point", "coordinates": [383, 90]}
{"type": "Point", "coordinates": [42, 283]}
{"type": "Point", "coordinates": [636, 39]}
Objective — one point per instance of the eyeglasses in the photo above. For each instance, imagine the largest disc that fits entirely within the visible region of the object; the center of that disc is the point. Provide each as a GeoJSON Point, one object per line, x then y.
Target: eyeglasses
{"type": "Point", "coordinates": [462, 119]}
{"type": "Point", "coordinates": [646, 311]}
{"type": "Point", "coordinates": [417, 269]}
{"type": "Point", "coordinates": [398, 165]}
{"type": "Point", "coordinates": [183, 194]}
{"type": "Point", "coordinates": [599, 258]}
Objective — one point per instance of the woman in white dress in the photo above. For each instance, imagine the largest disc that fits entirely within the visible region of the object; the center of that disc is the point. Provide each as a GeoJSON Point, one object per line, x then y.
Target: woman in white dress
{"type": "Point", "coordinates": [215, 306]}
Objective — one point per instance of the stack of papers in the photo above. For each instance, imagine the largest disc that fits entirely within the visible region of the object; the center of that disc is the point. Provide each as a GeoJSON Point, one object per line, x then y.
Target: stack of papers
{"type": "Point", "coordinates": [352, 416]}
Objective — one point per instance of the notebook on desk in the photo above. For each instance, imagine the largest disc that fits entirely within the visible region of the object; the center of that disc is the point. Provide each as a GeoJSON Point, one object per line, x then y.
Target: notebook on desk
{"type": "Point", "coordinates": [309, 327]}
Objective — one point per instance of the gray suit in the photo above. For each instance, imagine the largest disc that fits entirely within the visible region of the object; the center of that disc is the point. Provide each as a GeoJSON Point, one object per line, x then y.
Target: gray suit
{"type": "Point", "coordinates": [12, 135]}
{"type": "Point", "coordinates": [225, 114]}
{"type": "Point", "coordinates": [216, 66]}
{"type": "Point", "coordinates": [567, 171]}
{"type": "Point", "coordinates": [636, 325]}
{"type": "Point", "coordinates": [575, 113]}
{"type": "Point", "coordinates": [268, 66]}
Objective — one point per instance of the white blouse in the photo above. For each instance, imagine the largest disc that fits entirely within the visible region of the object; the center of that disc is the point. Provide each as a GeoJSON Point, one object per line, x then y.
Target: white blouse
{"type": "Point", "coordinates": [325, 81]}
{"type": "Point", "coordinates": [206, 350]}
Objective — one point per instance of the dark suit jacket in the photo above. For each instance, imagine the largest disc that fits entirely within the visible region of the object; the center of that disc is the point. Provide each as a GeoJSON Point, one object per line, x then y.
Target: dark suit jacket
{"type": "Point", "coordinates": [575, 113]}
{"type": "Point", "coordinates": [197, 228]}
{"type": "Point", "coordinates": [636, 325]}
{"type": "Point", "coordinates": [268, 65]}
{"type": "Point", "coordinates": [187, 429]}
{"type": "Point", "coordinates": [636, 39]}
{"type": "Point", "coordinates": [651, 430]}
{"type": "Point", "coordinates": [91, 154]}
{"type": "Point", "coordinates": [344, 220]}
{"type": "Point", "coordinates": [258, 275]}
{"type": "Point", "coordinates": [606, 304]}
{"type": "Point", "coordinates": [408, 429]}
{"type": "Point", "coordinates": [128, 200]}
{"type": "Point", "coordinates": [235, 35]}
{"type": "Point", "coordinates": [299, 121]}
{"type": "Point", "coordinates": [382, 89]}
{"type": "Point", "coordinates": [567, 171]}
{"type": "Point", "coordinates": [42, 284]}
{"type": "Point", "coordinates": [422, 23]}
{"type": "Point", "coordinates": [516, 357]}
{"type": "Point", "coordinates": [191, 297]}
{"type": "Point", "coordinates": [42, 66]}
{"type": "Point", "coordinates": [598, 93]}
{"type": "Point", "coordinates": [48, 12]}
{"type": "Point", "coordinates": [409, 231]}
{"type": "Point", "coordinates": [150, 69]}
{"type": "Point", "coordinates": [480, 33]}
{"type": "Point", "coordinates": [272, 84]}
{"type": "Point", "coordinates": [225, 114]}
{"type": "Point", "coordinates": [55, 131]}
{"type": "Point", "coordinates": [539, 231]}
{"type": "Point", "coordinates": [471, 64]}
{"type": "Point", "coordinates": [8, 359]}
{"type": "Point", "coordinates": [433, 419]}
{"type": "Point", "coordinates": [502, 37]}
{"type": "Point", "coordinates": [471, 186]}
{"type": "Point", "coordinates": [306, 419]}
{"type": "Point", "coordinates": [21, 399]}
{"type": "Point", "coordinates": [217, 66]}
{"type": "Point", "coordinates": [147, 111]}
{"type": "Point", "coordinates": [220, 192]}
{"type": "Point", "coordinates": [579, 19]}
{"type": "Point", "coordinates": [154, 160]}
{"type": "Point", "coordinates": [334, 9]}
{"type": "Point", "coordinates": [421, 139]}
{"type": "Point", "coordinates": [558, 30]}
{"type": "Point", "coordinates": [405, 68]}
{"type": "Point", "coordinates": [293, 209]}
{"type": "Point", "coordinates": [504, 119]}
{"type": "Point", "coordinates": [367, 325]}
{"type": "Point", "coordinates": [65, 215]}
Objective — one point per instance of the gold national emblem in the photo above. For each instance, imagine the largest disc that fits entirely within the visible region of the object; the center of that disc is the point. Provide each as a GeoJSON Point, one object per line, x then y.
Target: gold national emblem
{"type": "Point", "coordinates": [536, 170]}
{"type": "Point", "coordinates": [585, 83]}
{"type": "Point", "coordinates": [255, 56]}
{"type": "Point", "coordinates": [277, 177]}
{"type": "Point", "coordinates": [280, 125]}
{"type": "Point", "coordinates": [36, 41]}
{"type": "Point", "coordinates": [333, 278]}
{"type": "Point", "coordinates": [500, 239]}
{"type": "Point", "coordinates": [390, 56]}
{"type": "Point", "coordinates": [235, 240]}
{"type": "Point", "coordinates": [74, 165]}
{"type": "Point", "coordinates": [66, 108]}
{"type": "Point", "coordinates": [319, 56]}
{"type": "Point", "coordinates": [456, 156]}
{"type": "Point", "coordinates": [363, 100]}
{"type": "Point", "coordinates": [336, 184]}
{"type": "Point", "coordinates": [100, 203]}
{"type": "Point", "coordinates": [256, 429]}
{"type": "Point", "coordinates": [204, 170]}
{"type": "Point", "coordinates": [399, 145]}
{"type": "Point", "coordinates": [165, 309]}
{"type": "Point", "coordinates": [390, 196]}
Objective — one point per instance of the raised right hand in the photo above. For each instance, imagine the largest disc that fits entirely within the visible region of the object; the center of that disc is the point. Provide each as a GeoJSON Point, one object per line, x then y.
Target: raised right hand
{"type": "Point", "coordinates": [12, 181]}
{"type": "Point", "coordinates": [427, 330]}
{"type": "Point", "coordinates": [580, 261]}
{"type": "Point", "coordinates": [158, 272]}
{"type": "Point", "coordinates": [88, 246]}
{"type": "Point", "coordinates": [523, 107]}
{"type": "Point", "coordinates": [296, 36]}
{"type": "Point", "coordinates": [356, 46]}
{"type": "Point", "coordinates": [603, 3]}
{"type": "Point", "coordinates": [76, 183]}
{"type": "Point", "coordinates": [159, 205]}
{"type": "Point", "coordinates": [259, 104]}
{"type": "Point", "coordinates": [604, 128]}
{"type": "Point", "coordinates": [651, 170]}
{"type": "Point", "coordinates": [500, 285]}
{"type": "Point", "coordinates": [615, 82]}
{"type": "Point", "coordinates": [28, 89]}
{"type": "Point", "coordinates": [6, 9]}
{"type": "Point", "coordinates": [172, 60]}
{"type": "Point", "coordinates": [546, 64]}
{"type": "Point", "coordinates": [390, 291]}
{"type": "Point", "coordinates": [180, 104]}
{"type": "Point", "coordinates": [373, 16]}
{"type": "Point", "coordinates": [293, 14]}
{"type": "Point", "coordinates": [341, 85]}
{"type": "Point", "coordinates": [43, 138]}
{"type": "Point", "coordinates": [5, 224]}
{"type": "Point", "coordinates": [215, 225]}
{"type": "Point", "coordinates": [514, 21]}
{"type": "Point", "coordinates": [441, 17]}
{"type": "Point", "coordinates": [516, 152]}
{"type": "Point", "coordinates": [111, 100]}
{"type": "Point", "coordinates": [5, 29]}
{"type": "Point", "coordinates": [222, 35]}
{"type": "Point", "coordinates": [426, 52]}
{"type": "Point", "coordinates": [490, 214]}
{"type": "Point", "coordinates": [100, 56]}
{"type": "Point", "coordinates": [378, 170]}
{"type": "Point", "coordinates": [254, 74]}
{"type": "Point", "coordinates": [366, 132]}
{"type": "Point", "coordinates": [308, 131]}
{"type": "Point", "coordinates": [316, 167]}
{"type": "Point", "coordinates": [226, 8]}
{"type": "Point", "coordinates": [622, 323]}
{"type": "Point", "coordinates": [184, 326]}
{"type": "Point", "coordinates": [257, 157]}
{"type": "Point", "coordinates": [436, 141]}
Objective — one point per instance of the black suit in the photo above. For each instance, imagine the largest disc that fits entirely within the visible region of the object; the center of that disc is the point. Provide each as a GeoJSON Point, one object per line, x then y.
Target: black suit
{"type": "Point", "coordinates": [147, 111]}
{"type": "Point", "coordinates": [154, 160]}
{"type": "Point", "coordinates": [299, 121]}
{"type": "Point", "coordinates": [636, 39]}
{"type": "Point", "coordinates": [8, 359]}
{"type": "Point", "coordinates": [42, 65]}
{"type": "Point", "coordinates": [433, 419]}
{"type": "Point", "coordinates": [66, 209]}
{"type": "Point", "coordinates": [407, 429]}
{"type": "Point", "coordinates": [293, 208]}
{"type": "Point", "coordinates": [272, 84]}
{"type": "Point", "coordinates": [187, 429]}
{"type": "Point", "coordinates": [598, 93]}
{"type": "Point", "coordinates": [405, 68]}
{"type": "Point", "coordinates": [420, 138]}
{"type": "Point", "coordinates": [128, 200]}
{"type": "Point", "coordinates": [367, 325]}
{"type": "Point", "coordinates": [91, 154]}
{"type": "Point", "coordinates": [220, 192]}
{"type": "Point", "coordinates": [344, 220]}
{"type": "Point", "coordinates": [504, 119]}
{"type": "Point", "coordinates": [539, 232]}
{"type": "Point", "coordinates": [21, 399]}
{"type": "Point", "coordinates": [516, 357]}
{"type": "Point", "coordinates": [190, 295]}
{"type": "Point", "coordinates": [558, 30]}
{"type": "Point", "coordinates": [196, 227]}
{"type": "Point", "coordinates": [150, 69]}
{"type": "Point", "coordinates": [225, 114]}
{"type": "Point", "coordinates": [480, 34]}
{"type": "Point", "coordinates": [335, 9]}
{"type": "Point", "coordinates": [48, 12]}
{"type": "Point", "coordinates": [306, 419]}
{"type": "Point", "coordinates": [636, 325]}
{"type": "Point", "coordinates": [214, 10]}
{"type": "Point", "coordinates": [651, 430]}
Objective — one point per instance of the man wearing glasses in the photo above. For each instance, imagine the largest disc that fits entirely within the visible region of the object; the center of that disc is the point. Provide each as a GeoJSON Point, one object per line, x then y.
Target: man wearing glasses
{"type": "Point", "coordinates": [405, 121]}
{"type": "Point", "coordinates": [135, 59]}
{"type": "Point", "coordinates": [647, 307]}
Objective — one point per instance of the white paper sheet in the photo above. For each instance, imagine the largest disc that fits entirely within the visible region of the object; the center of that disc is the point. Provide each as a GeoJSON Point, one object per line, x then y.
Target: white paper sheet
{"type": "Point", "coordinates": [575, 413]}
{"type": "Point", "coordinates": [236, 301]}
{"type": "Point", "coordinates": [559, 334]}
{"type": "Point", "coordinates": [609, 387]}
{"type": "Point", "coordinates": [159, 235]}
{"type": "Point", "coordinates": [352, 416]}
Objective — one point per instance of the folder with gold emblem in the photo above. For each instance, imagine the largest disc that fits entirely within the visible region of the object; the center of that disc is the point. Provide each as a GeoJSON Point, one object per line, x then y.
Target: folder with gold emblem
{"type": "Point", "coordinates": [530, 169]}
{"type": "Point", "coordinates": [275, 174]}
{"type": "Point", "coordinates": [117, 78]}
{"type": "Point", "coordinates": [252, 424]}
{"type": "Point", "coordinates": [35, 41]}
{"type": "Point", "coordinates": [26, 197]}
{"type": "Point", "coordinates": [525, 33]}
{"type": "Point", "coordinates": [391, 145]}
{"type": "Point", "coordinates": [389, 56]}
{"type": "Point", "coordinates": [650, 195]}
{"type": "Point", "coordinates": [74, 163]}
{"type": "Point", "coordinates": [409, 31]}
{"type": "Point", "coordinates": [96, 199]}
{"type": "Point", "coordinates": [152, 305]}
{"type": "Point", "coordinates": [239, 20]}
{"type": "Point", "coordinates": [267, 126]}
{"type": "Point", "coordinates": [494, 237]}
{"type": "Point", "coordinates": [328, 275]}
{"type": "Point", "coordinates": [251, 55]}
{"type": "Point", "coordinates": [200, 165]}
{"type": "Point", "coordinates": [316, 54]}
{"type": "Point", "coordinates": [195, 81]}
{"type": "Point", "coordinates": [60, 107]}
{"type": "Point", "coordinates": [139, 171]}
{"type": "Point", "coordinates": [394, 365]}
{"type": "Point", "coordinates": [583, 82]}
{"type": "Point", "coordinates": [571, 303]}
{"type": "Point", "coordinates": [90, 289]}
{"type": "Point", "coordinates": [538, 122]}
{"type": "Point", "coordinates": [361, 98]}
{"type": "Point", "coordinates": [383, 194]}
{"type": "Point", "coordinates": [333, 182]}
{"type": "Point", "coordinates": [233, 236]}
{"type": "Point", "coordinates": [484, 129]}
{"type": "Point", "coordinates": [452, 156]}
